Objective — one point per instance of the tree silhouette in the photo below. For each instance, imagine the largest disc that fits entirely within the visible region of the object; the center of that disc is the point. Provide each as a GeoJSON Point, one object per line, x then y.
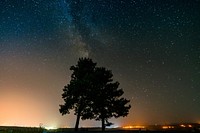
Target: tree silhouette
{"type": "Point", "coordinates": [107, 101]}
{"type": "Point", "coordinates": [75, 94]}
{"type": "Point", "coordinates": [92, 94]}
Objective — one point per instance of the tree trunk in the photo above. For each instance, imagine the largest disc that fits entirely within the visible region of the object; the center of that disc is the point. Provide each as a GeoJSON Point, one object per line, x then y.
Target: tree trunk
{"type": "Point", "coordinates": [103, 124]}
{"type": "Point", "coordinates": [77, 121]}
{"type": "Point", "coordinates": [78, 115]}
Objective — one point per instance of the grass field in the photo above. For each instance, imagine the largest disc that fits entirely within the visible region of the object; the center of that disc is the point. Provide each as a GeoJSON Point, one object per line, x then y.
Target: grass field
{"type": "Point", "coordinates": [6, 129]}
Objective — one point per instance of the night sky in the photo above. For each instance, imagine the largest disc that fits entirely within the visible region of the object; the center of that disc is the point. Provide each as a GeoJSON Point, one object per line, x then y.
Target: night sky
{"type": "Point", "coordinates": [151, 46]}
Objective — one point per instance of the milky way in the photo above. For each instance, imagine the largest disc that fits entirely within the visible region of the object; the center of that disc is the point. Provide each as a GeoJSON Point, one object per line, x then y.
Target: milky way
{"type": "Point", "coordinates": [151, 46]}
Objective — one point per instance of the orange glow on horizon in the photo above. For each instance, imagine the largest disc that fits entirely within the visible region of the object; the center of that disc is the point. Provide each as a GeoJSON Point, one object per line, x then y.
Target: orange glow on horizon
{"type": "Point", "coordinates": [22, 109]}
{"type": "Point", "coordinates": [167, 127]}
{"type": "Point", "coordinates": [134, 127]}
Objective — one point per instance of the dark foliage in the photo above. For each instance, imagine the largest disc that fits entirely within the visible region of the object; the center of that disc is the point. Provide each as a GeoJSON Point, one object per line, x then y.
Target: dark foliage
{"type": "Point", "coordinates": [76, 92]}
{"type": "Point", "coordinates": [107, 101]}
{"type": "Point", "coordinates": [92, 94]}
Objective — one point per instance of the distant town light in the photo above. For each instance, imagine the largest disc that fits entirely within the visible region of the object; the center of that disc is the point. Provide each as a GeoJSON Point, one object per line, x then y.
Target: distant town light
{"type": "Point", "coordinates": [167, 127]}
{"type": "Point", "coordinates": [182, 125]}
{"type": "Point", "coordinates": [126, 127]}
{"type": "Point", "coordinates": [189, 125]}
{"type": "Point", "coordinates": [50, 128]}
{"type": "Point", "coordinates": [134, 127]}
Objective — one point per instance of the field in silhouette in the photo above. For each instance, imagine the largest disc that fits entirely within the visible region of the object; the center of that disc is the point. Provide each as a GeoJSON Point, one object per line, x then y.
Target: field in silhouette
{"type": "Point", "coordinates": [13, 129]}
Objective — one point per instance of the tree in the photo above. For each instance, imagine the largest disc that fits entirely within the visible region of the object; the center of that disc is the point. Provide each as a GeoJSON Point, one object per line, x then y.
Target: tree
{"type": "Point", "coordinates": [92, 94]}
{"type": "Point", "coordinates": [106, 100]}
{"type": "Point", "coordinates": [75, 94]}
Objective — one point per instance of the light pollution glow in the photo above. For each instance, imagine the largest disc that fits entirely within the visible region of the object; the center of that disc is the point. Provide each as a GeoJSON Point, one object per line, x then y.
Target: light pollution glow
{"type": "Point", "coordinates": [27, 101]}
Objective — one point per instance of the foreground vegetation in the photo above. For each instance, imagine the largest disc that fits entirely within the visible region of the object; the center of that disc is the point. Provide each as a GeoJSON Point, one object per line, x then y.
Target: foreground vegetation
{"type": "Point", "coordinates": [96, 130]}
{"type": "Point", "coordinates": [21, 130]}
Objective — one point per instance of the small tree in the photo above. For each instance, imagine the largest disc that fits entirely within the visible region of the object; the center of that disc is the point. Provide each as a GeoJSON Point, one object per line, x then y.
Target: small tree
{"type": "Point", "coordinates": [107, 101]}
{"type": "Point", "coordinates": [75, 94]}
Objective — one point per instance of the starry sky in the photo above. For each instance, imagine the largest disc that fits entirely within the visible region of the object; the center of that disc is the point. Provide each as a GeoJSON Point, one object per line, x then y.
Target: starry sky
{"type": "Point", "coordinates": [151, 46]}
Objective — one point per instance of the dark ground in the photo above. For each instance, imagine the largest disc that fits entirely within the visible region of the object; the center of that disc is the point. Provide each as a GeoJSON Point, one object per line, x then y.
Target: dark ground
{"type": "Point", "coordinates": [92, 130]}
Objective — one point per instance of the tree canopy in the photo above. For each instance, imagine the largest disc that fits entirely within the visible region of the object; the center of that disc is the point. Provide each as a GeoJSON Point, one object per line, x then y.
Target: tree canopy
{"type": "Point", "coordinates": [107, 101]}
{"type": "Point", "coordinates": [75, 94]}
{"type": "Point", "coordinates": [92, 94]}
